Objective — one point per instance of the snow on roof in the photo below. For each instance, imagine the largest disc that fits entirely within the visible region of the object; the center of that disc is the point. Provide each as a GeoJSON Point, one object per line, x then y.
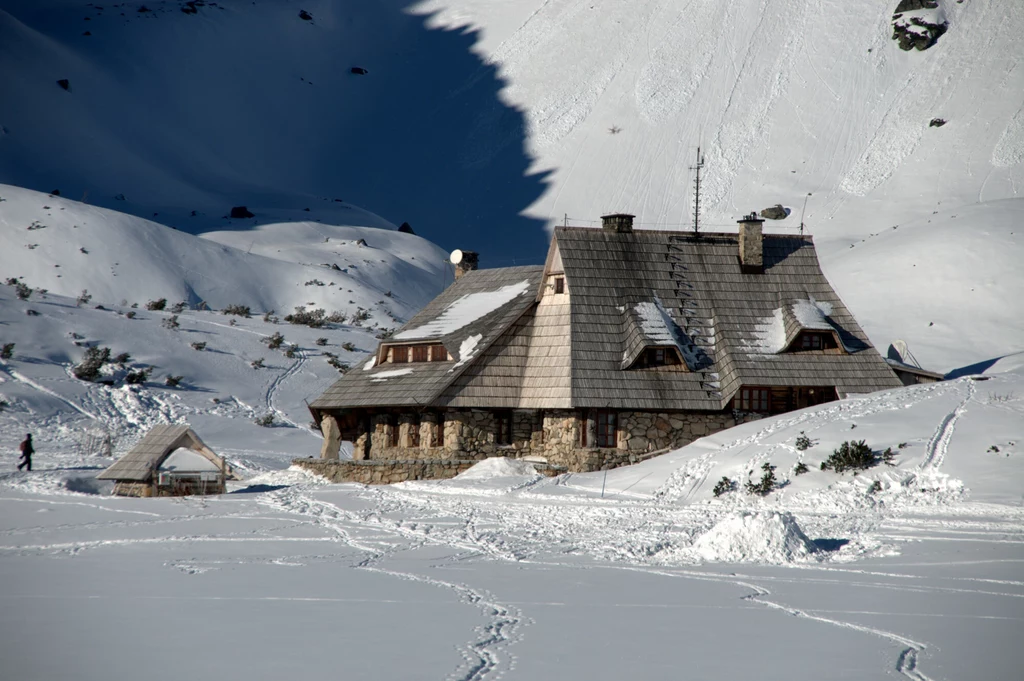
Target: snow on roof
{"type": "Point", "coordinates": [465, 311]}
{"type": "Point", "coordinates": [393, 373]}
{"type": "Point", "coordinates": [185, 460]}
{"type": "Point", "coordinates": [769, 335]}
{"type": "Point", "coordinates": [467, 350]}
{"type": "Point", "coordinates": [658, 328]}
{"type": "Point", "coordinates": [812, 314]}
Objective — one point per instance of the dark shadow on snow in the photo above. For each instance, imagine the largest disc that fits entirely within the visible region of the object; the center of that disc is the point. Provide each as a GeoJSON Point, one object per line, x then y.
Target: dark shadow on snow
{"type": "Point", "coordinates": [830, 544]}
{"type": "Point", "coordinates": [258, 489]}
{"type": "Point", "coordinates": [271, 116]}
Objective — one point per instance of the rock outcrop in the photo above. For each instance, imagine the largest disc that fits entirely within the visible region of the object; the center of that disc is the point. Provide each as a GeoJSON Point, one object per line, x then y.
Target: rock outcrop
{"type": "Point", "coordinates": [918, 24]}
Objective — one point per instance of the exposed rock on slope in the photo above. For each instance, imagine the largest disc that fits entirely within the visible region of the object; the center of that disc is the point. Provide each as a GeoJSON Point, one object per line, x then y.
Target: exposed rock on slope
{"type": "Point", "coordinates": [917, 24]}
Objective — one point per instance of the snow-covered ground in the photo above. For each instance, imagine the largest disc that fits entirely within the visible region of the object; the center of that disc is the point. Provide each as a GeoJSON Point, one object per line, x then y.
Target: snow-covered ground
{"type": "Point", "coordinates": [911, 569]}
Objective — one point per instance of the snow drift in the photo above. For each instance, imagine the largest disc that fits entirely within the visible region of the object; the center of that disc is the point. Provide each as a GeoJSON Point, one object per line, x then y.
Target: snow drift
{"type": "Point", "coordinates": [769, 537]}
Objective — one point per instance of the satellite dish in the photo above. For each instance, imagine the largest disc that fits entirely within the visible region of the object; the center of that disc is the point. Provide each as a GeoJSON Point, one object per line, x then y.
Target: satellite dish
{"type": "Point", "coordinates": [455, 257]}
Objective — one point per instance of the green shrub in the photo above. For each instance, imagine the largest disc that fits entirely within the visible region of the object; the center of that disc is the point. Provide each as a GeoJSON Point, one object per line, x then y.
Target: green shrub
{"type": "Point", "coordinates": [800, 468]}
{"type": "Point", "coordinates": [83, 298]}
{"type": "Point", "coordinates": [275, 341]}
{"type": "Point", "coordinates": [257, 363]}
{"type": "Point", "coordinates": [138, 377]}
{"type": "Point", "coordinates": [7, 351]}
{"type": "Point", "coordinates": [323, 341]}
{"type": "Point", "coordinates": [767, 482]}
{"type": "Point", "coordinates": [89, 368]}
{"type": "Point", "coordinates": [724, 485]}
{"type": "Point", "coordinates": [173, 381]}
{"type": "Point", "coordinates": [314, 319]}
{"type": "Point", "coordinates": [171, 322]}
{"type": "Point", "coordinates": [350, 346]}
{"type": "Point", "coordinates": [199, 345]}
{"type": "Point", "coordinates": [237, 310]}
{"type": "Point", "coordinates": [855, 455]}
{"type": "Point", "coordinates": [803, 442]}
{"type": "Point", "coordinates": [266, 420]}
{"type": "Point", "coordinates": [156, 305]}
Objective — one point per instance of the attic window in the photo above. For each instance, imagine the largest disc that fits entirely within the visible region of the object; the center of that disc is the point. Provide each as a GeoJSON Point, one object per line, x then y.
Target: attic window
{"type": "Point", "coordinates": [559, 284]}
{"type": "Point", "coordinates": [810, 340]}
{"type": "Point", "coordinates": [657, 357]}
{"type": "Point", "coordinates": [401, 354]}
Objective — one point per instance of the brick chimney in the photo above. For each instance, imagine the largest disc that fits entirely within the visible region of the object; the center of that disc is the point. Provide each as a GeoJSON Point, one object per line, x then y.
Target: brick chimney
{"type": "Point", "coordinates": [470, 261]}
{"type": "Point", "coordinates": [751, 245]}
{"type": "Point", "coordinates": [619, 223]}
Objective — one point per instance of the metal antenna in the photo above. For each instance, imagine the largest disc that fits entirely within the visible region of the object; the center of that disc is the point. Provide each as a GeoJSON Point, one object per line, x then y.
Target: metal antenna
{"type": "Point", "coordinates": [696, 192]}
{"type": "Point", "coordinates": [802, 211]}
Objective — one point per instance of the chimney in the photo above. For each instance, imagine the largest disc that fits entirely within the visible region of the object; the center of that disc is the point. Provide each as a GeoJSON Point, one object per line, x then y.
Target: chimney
{"type": "Point", "coordinates": [751, 245]}
{"type": "Point", "coordinates": [618, 223]}
{"type": "Point", "coordinates": [470, 260]}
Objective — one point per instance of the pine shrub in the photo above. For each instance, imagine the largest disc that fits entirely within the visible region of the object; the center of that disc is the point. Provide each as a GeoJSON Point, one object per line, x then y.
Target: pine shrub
{"type": "Point", "coordinates": [173, 381]}
{"type": "Point", "coordinates": [199, 345]}
{"type": "Point", "coordinates": [83, 298]}
{"type": "Point", "coordinates": [7, 351]}
{"type": "Point", "coordinates": [171, 322]}
{"type": "Point", "coordinates": [323, 341]}
{"type": "Point", "coordinates": [803, 442]}
{"type": "Point", "coordinates": [853, 455]}
{"type": "Point", "coordinates": [267, 420]}
{"type": "Point", "coordinates": [89, 368]}
{"type": "Point", "coordinates": [275, 341]}
{"type": "Point", "coordinates": [767, 482]}
{"type": "Point", "coordinates": [724, 485]}
{"type": "Point", "coordinates": [156, 305]}
{"type": "Point", "coordinates": [138, 377]}
{"type": "Point", "coordinates": [237, 310]}
{"type": "Point", "coordinates": [257, 363]}
{"type": "Point", "coordinates": [800, 468]}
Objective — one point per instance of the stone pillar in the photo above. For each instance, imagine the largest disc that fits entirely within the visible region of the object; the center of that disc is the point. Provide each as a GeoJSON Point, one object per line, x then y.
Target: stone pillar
{"type": "Point", "coordinates": [332, 438]}
{"type": "Point", "coordinates": [591, 425]}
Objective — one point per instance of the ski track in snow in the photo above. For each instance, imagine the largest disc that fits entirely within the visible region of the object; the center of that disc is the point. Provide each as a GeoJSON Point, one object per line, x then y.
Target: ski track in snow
{"type": "Point", "coordinates": [938, 445]}
{"type": "Point", "coordinates": [485, 656]}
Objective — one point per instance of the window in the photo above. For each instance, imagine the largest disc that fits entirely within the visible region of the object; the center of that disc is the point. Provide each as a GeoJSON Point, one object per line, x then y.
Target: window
{"type": "Point", "coordinates": [399, 355]}
{"type": "Point", "coordinates": [658, 357]}
{"type": "Point", "coordinates": [607, 426]}
{"type": "Point", "coordinates": [438, 353]}
{"type": "Point", "coordinates": [559, 284]}
{"type": "Point", "coordinates": [503, 427]}
{"type": "Point", "coordinates": [420, 353]}
{"type": "Point", "coordinates": [437, 434]}
{"type": "Point", "coordinates": [414, 432]}
{"type": "Point", "coordinates": [754, 399]}
{"type": "Point", "coordinates": [811, 341]}
{"type": "Point", "coordinates": [392, 431]}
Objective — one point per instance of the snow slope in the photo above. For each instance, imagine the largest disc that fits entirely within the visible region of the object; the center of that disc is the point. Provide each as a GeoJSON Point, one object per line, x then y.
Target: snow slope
{"type": "Point", "coordinates": [65, 246]}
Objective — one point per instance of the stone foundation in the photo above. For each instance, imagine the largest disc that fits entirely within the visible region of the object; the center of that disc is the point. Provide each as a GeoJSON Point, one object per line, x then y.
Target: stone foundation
{"type": "Point", "coordinates": [471, 435]}
{"type": "Point", "coordinates": [382, 472]}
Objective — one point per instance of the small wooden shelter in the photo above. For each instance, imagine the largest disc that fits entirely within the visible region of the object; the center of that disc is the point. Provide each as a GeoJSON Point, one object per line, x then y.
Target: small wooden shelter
{"type": "Point", "coordinates": [170, 460]}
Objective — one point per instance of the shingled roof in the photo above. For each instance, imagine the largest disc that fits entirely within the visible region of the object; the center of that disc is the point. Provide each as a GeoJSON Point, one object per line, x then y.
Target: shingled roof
{"type": "Point", "coordinates": [141, 463]}
{"type": "Point", "coordinates": [466, 318]}
{"type": "Point", "coordinates": [628, 291]}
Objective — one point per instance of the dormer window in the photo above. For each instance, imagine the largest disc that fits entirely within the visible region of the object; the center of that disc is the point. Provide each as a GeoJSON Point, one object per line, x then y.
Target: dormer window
{"type": "Point", "coordinates": [402, 354]}
{"type": "Point", "coordinates": [559, 284]}
{"type": "Point", "coordinates": [812, 340]}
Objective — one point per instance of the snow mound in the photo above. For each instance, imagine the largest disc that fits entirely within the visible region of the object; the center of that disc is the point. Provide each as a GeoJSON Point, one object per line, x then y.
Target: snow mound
{"type": "Point", "coordinates": [498, 467]}
{"type": "Point", "coordinates": [755, 538]}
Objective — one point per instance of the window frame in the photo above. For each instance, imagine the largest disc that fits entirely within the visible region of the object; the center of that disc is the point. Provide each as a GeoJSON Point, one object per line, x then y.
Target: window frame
{"type": "Point", "coordinates": [559, 285]}
{"type": "Point", "coordinates": [438, 353]}
{"type": "Point", "coordinates": [607, 429]}
{"type": "Point", "coordinates": [437, 433]}
{"type": "Point", "coordinates": [420, 353]}
{"type": "Point", "coordinates": [399, 351]}
{"type": "Point", "coordinates": [752, 398]}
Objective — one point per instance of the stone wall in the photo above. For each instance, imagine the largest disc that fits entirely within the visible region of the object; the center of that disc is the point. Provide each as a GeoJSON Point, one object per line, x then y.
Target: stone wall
{"type": "Point", "coordinates": [389, 472]}
{"type": "Point", "coordinates": [471, 435]}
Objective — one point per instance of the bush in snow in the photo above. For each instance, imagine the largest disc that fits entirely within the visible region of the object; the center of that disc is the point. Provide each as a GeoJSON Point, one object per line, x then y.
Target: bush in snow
{"type": "Point", "coordinates": [257, 363]}
{"type": "Point", "coordinates": [855, 454]}
{"type": "Point", "coordinates": [275, 341]}
{"type": "Point", "coordinates": [876, 486]}
{"type": "Point", "coordinates": [171, 322]}
{"type": "Point", "coordinates": [199, 345]}
{"type": "Point", "coordinates": [803, 442]}
{"type": "Point", "coordinates": [178, 308]}
{"type": "Point", "coordinates": [350, 346]}
{"type": "Point", "coordinates": [385, 333]}
{"type": "Point", "coordinates": [157, 304]}
{"type": "Point", "coordinates": [89, 368]}
{"type": "Point", "coordinates": [767, 482]}
{"type": "Point", "coordinates": [322, 341]}
{"type": "Point", "coordinates": [311, 318]}
{"type": "Point", "coordinates": [266, 420]}
{"type": "Point", "coordinates": [130, 314]}
{"type": "Point", "coordinates": [123, 358]}
{"type": "Point", "coordinates": [269, 317]}
{"type": "Point", "coordinates": [7, 351]}
{"type": "Point", "coordinates": [22, 290]}
{"type": "Point", "coordinates": [237, 310]}
{"type": "Point", "coordinates": [173, 381]}
{"type": "Point", "coordinates": [724, 485]}
{"type": "Point", "coordinates": [83, 298]}
{"type": "Point", "coordinates": [4, 404]}
{"type": "Point", "coordinates": [800, 468]}
{"type": "Point", "coordinates": [138, 377]}
{"type": "Point", "coordinates": [291, 351]}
